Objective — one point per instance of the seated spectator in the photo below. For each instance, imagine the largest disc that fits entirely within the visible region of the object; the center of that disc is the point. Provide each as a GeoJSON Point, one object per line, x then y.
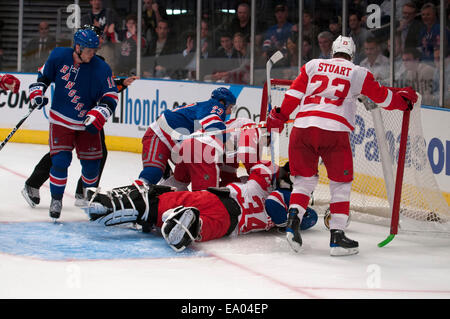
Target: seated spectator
{"type": "Point", "coordinates": [127, 44]}
{"type": "Point", "coordinates": [152, 13]}
{"type": "Point", "coordinates": [417, 74]}
{"type": "Point", "coordinates": [335, 27]}
{"type": "Point", "coordinates": [409, 27]}
{"type": "Point", "coordinates": [226, 49]}
{"type": "Point", "coordinates": [104, 18]}
{"type": "Point", "coordinates": [429, 33]}
{"type": "Point", "coordinates": [276, 36]}
{"type": "Point", "coordinates": [241, 22]}
{"type": "Point", "coordinates": [325, 40]}
{"type": "Point", "coordinates": [240, 74]}
{"type": "Point", "coordinates": [376, 62]}
{"type": "Point", "coordinates": [160, 49]}
{"type": "Point", "coordinates": [206, 43]}
{"type": "Point", "coordinates": [38, 48]}
{"type": "Point", "coordinates": [311, 30]}
{"type": "Point", "coordinates": [359, 35]}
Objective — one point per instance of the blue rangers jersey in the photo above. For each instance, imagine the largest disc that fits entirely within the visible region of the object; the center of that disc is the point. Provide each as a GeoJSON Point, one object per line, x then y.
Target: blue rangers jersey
{"type": "Point", "coordinates": [172, 125]}
{"type": "Point", "coordinates": [78, 88]}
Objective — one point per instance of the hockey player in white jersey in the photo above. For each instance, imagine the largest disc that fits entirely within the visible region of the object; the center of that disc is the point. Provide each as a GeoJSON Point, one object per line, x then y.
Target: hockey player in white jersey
{"type": "Point", "coordinates": [326, 93]}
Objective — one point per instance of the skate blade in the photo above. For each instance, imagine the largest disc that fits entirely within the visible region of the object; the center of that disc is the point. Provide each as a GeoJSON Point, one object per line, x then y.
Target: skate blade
{"type": "Point", "coordinates": [294, 245]}
{"type": "Point", "coordinates": [28, 199]}
{"type": "Point", "coordinates": [341, 251]}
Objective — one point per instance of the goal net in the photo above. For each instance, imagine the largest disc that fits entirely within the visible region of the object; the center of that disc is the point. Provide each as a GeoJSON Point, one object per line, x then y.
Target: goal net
{"type": "Point", "coordinates": [423, 207]}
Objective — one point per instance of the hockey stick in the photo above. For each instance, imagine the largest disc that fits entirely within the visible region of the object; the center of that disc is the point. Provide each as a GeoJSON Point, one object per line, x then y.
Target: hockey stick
{"type": "Point", "coordinates": [399, 178]}
{"type": "Point", "coordinates": [277, 56]}
{"type": "Point", "coordinates": [16, 128]}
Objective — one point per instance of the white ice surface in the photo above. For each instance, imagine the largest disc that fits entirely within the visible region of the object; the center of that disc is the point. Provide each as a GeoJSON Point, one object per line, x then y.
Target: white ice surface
{"type": "Point", "coordinates": [258, 265]}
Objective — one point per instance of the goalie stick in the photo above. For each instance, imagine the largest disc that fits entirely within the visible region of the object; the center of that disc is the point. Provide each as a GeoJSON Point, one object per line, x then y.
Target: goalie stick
{"type": "Point", "coordinates": [16, 128]}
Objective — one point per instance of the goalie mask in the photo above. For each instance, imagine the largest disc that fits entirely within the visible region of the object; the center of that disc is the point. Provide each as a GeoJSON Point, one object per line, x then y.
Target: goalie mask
{"type": "Point", "coordinates": [181, 226]}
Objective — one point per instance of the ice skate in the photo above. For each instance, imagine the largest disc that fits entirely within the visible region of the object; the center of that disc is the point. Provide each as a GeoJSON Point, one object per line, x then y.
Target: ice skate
{"type": "Point", "coordinates": [31, 195]}
{"type": "Point", "coordinates": [55, 208]}
{"type": "Point", "coordinates": [293, 230]}
{"type": "Point", "coordinates": [340, 245]}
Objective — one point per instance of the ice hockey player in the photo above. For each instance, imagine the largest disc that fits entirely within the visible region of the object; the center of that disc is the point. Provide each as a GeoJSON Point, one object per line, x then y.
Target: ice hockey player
{"type": "Point", "coordinates": [173, 125]}
{"type": "Point", "coordinates": [41, 171]}
{"type": "Point", "coordinates": [203, 162]}
{"type": "Point", "coordinates": [85, 97]}
{"type": "Point", "coordinates": [326, 91]}
{"type": "Point", "coordinates": [184, 217]}
{"type": "Point", "coordinates": [9, 82]}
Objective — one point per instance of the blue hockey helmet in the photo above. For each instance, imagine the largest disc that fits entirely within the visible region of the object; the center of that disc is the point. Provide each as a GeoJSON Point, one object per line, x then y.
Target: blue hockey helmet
{"type": "Point", "coordinates": [86, 38]}
{"type": "Point", "coordinates": [223, 94]}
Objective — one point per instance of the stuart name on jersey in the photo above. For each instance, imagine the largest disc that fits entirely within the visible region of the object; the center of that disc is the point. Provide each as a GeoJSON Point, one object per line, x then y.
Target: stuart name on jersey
{"type": "Point", "coordinates": [78, 88]}
{"type": "Point", "coordinates": [332, 68]}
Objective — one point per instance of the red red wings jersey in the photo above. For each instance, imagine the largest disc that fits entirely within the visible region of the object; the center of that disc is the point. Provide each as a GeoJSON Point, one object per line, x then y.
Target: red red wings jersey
{"type": "Point", "coordinates": [251, 197]}
{"type": "Point", "coordinates": [326, 91]}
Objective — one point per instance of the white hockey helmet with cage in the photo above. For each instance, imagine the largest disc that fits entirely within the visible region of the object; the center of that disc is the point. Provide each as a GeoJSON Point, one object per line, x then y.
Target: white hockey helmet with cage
{"type": "Point", "coordinates": [344, 45]}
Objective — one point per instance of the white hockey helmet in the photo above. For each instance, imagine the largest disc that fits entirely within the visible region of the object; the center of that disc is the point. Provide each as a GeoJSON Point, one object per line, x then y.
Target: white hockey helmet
{"type": "Point", "coordinates": [344, 45]}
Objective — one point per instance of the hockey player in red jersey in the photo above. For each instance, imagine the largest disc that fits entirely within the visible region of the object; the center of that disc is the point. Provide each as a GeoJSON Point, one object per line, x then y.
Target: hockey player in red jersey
{"type": "Point", "coordinates": [326, 91]}
{"type": "Point", "coordinates": [205, 162]}
{"type": "Point", "coordinates": [186, 216]}
{"type": "Point", "coordinates": [9, 82]}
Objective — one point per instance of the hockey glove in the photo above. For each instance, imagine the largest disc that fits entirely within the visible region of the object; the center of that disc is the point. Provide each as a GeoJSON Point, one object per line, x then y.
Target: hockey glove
{"type": "Point", "coordinates": [276, 120]}
{"type": "Point", "coordinates": [9, 82]}
{"type": "Point", "coordinates": [409, 95]}
{"type": "Point", "coordinates": [96, 118]}
{"type": "Point", "coordinates": [37, 98]}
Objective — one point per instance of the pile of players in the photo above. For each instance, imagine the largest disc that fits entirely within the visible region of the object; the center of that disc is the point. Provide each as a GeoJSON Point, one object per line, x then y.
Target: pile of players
{"type": "Point", "coordinates": [206, 150]}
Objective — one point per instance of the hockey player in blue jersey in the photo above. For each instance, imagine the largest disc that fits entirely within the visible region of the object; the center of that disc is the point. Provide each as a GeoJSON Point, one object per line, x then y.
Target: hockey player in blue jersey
{"type": "Point", "coordinates": [85, 97]}
{"type": "Point", "coordinates": [163, 134]}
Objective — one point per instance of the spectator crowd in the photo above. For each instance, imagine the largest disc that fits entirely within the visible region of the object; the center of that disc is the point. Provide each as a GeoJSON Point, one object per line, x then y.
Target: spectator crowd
{"type": "Point", "coordinates": [168, 42]}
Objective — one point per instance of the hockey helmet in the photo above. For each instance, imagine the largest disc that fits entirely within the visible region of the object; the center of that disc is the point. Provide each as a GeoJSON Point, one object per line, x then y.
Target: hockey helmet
{"type": "Point", "coordinates": [86, 38]}
{"type": "Point", "coordinates": [181, 226]}
{"type": "Point", "coordinates": [344, 45]}
{"type": "Point", "coordinates": [94, 28]}
{"type": "Point", "coordinates": [223, 94]}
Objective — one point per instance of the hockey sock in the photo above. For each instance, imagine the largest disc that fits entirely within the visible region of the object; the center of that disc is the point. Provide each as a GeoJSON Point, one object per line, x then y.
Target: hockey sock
{"type": "Point", "coordinates": [151, 174]}
{"type": "Point", "coordinates": [302, 189]}
{"type": "Point", "coordinates": [58, 173]}
{"type": "Point", "coordinates": [89, 172]}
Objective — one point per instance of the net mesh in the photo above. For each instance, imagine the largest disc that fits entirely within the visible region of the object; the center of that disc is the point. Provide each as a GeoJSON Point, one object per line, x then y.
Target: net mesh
{"type": "Point", "coordinates": [423, 207]}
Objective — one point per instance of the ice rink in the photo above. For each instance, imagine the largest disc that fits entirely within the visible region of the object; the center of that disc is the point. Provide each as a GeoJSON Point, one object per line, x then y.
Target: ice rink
{"type": "Point", "coordinates": [77, 259]}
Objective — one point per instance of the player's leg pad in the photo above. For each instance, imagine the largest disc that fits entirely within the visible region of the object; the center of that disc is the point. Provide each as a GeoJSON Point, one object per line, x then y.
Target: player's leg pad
{"type": "Point", "coordinates": [340, 245]}
{"type": "Point", "coordinates": [293, 230]}
{"type": "Point", "coordinates": [181, 227]}
{"type": "Point", "coordinates": [31, 195]}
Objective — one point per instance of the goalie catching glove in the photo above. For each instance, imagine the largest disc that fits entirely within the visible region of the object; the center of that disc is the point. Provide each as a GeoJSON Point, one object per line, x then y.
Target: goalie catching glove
{"type": "Point", "coordinates": [96, 118]}
{"type": "Point", "coordinates": [9, 82]}
{"type": "Point", "coordinates": [276, 120]}
{"type": "Point", "coordinates": [37, 98]}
